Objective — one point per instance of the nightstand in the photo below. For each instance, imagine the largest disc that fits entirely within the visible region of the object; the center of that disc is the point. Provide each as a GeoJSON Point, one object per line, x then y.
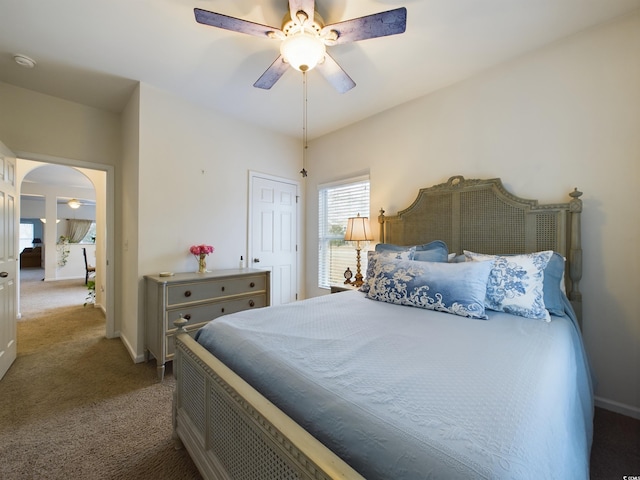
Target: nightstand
{"type": "Point", "coordinates": [342, 288]}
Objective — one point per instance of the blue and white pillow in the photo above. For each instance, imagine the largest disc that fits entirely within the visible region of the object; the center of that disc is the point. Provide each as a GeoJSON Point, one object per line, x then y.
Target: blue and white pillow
{"type": "Point", "coordinates": [456, 288]}
{"type": "Point", "coordinates": [435, 251]}
{"type": "Point", "coordinates": [372, 257]}
{"type": "Point", "coordinates": [516, 283]}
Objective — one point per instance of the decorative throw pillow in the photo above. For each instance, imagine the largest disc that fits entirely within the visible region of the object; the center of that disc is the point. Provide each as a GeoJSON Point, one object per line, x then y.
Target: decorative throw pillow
{"type": "Point", "coordinates": [516, 283]}
{"type": "Point", "coordinates": [554, 285]}
{"type": "Point", "coordinates": [372, 257]}
{"type": "Point", "coordinates": [456, 288]}
{"type": "Point", "coordinates": [435, 251]}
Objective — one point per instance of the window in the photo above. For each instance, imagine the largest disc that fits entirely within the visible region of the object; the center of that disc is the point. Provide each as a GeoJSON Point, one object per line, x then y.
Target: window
{"type": "Point", "coordinates": [90, 237]}
{"type": "Point", "coordinates": [337, 202]}
{"type": "Point", "coordinates": [26, 236]}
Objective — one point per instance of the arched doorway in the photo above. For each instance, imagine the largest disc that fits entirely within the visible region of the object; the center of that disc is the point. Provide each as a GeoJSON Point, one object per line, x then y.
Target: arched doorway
{"type": "Point", "coordinates": [48, 192]}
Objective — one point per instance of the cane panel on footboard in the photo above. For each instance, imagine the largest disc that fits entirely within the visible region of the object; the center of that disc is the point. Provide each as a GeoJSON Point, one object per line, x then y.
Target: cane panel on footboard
{"type": "Point", "coordinates": [233, 433]}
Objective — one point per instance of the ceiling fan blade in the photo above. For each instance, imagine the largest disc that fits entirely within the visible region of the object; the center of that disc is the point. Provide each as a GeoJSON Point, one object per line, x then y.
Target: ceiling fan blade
{"type": "Point", "coordinates": [307, 6]}
{"type": "Point", "coordinates": [272, 74]}
{"type": "Point", "coordinates": [335, 75]}
{"type": "Point", "coordinates": [380, 24]}
{"type": "Point", "coordinates": [234, 24]}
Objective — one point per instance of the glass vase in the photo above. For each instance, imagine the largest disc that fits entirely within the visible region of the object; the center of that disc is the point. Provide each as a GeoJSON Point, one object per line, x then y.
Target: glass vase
{"type": "Point", "coordinates": [202, 263]}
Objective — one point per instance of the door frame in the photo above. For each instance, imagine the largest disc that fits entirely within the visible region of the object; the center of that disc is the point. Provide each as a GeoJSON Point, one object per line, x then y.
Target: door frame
{"type": "Point", "coordinates": [252, 176]}
{"type": "Point", "coordinates": [8, 214]}
{"type": "Point", "coordinates": [110, 328]}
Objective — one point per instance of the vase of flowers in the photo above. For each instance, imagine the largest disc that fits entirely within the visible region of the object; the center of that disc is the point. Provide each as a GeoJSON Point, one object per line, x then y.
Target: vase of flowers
{"type": "Point", "coordinates": [201, 252]}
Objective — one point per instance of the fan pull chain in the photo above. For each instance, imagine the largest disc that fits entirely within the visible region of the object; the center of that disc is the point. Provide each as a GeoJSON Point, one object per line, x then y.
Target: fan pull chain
{"type": "Point", "coordinates": [303, 172]}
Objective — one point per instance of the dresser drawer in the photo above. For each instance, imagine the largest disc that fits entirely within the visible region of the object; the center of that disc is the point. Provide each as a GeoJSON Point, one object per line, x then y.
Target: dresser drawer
{"type": "Point", "coordinates": [204, 313]}
{"type": "Point", "coordinates": [211, 289]}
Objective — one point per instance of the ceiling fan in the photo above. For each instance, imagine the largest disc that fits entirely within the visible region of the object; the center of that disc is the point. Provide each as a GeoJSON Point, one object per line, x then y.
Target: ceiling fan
{"type": "Point", "coordinates": [304, 38]}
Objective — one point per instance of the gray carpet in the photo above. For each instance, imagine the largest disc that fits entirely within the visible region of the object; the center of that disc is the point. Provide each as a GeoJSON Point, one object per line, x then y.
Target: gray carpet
{"type": "Point", "coordinates": [74, 405]}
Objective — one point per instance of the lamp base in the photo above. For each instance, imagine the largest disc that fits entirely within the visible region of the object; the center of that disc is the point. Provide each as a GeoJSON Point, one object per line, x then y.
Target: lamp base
{"type": "Point", "coordinates": [358, 281]}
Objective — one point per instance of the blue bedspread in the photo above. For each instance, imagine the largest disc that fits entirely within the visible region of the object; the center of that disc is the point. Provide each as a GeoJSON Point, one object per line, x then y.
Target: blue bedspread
{"type": "Point", "coordinates": [405, 393]}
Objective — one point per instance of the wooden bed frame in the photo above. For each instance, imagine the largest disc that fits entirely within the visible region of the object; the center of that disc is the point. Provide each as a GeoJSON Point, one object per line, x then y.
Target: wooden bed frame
{"type": "Point", "coordinates": [232, 432]}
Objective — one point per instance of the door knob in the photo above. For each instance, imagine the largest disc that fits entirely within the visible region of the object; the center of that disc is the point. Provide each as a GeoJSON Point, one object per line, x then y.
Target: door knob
{"type": "Point", "coordinates": [4, 274]}
{"type": "Point", "coordinates": [256, 260]}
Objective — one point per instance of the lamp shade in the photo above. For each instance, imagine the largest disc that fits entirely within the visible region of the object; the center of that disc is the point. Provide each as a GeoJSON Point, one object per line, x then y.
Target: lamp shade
{"type": "Point", "coordinates": [358, 229]}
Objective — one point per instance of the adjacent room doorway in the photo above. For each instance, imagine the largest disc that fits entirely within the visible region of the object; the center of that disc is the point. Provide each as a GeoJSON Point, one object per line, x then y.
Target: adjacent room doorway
{"type": "Point", "coordinates": [102, 179]}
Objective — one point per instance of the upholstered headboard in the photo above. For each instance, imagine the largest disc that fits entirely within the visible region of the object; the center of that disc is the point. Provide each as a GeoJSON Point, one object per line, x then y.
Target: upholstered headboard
{"type": "Point", "coordinates": [482, 216]}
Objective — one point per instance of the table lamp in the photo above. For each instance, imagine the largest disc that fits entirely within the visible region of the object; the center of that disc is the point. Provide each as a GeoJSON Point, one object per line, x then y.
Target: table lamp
{"type": "Point", "coordinates": [358, 230]}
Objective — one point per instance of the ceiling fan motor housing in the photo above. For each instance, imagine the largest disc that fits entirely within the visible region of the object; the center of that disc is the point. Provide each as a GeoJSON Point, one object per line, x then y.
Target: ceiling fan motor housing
{"type": "Point", "coordinates": [303, 47]}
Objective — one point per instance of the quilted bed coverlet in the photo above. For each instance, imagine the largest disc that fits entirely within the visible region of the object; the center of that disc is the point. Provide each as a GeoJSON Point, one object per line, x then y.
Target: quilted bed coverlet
{"type": "Point", "coordinates": [404, 393]}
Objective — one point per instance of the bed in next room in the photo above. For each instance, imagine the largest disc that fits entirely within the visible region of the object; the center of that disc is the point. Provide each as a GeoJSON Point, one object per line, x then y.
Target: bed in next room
{"type": "Point", "coordinates": [471, 368]}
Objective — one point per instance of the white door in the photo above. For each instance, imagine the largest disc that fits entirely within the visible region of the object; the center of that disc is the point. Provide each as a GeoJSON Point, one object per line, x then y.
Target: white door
{"type": "Point", "coordinates": [8, 259]}
{"type": "Point", "coordinates": [273, 231]}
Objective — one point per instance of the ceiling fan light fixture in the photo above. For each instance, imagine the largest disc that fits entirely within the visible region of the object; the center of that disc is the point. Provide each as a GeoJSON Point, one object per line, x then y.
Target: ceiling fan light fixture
{"type": "Point", "coordinates": [303, 50]}
{"type": "Point", "coordinates": [73, 203]}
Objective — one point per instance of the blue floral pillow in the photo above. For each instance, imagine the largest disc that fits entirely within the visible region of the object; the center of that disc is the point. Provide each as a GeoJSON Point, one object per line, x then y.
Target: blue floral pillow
{"type": "Point", "coordinates": [372, 257]}
{"type": "Point", "coordinates": [435, 251]}
{"type": "Point", "coordinates": [516, 283]}
{"type": "Point", "coordinates": [457, 288]}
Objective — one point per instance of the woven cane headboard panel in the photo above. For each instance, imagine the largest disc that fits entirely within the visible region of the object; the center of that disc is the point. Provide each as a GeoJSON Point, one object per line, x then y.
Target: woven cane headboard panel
{"type": "Point", "coordinates": [482, 216]}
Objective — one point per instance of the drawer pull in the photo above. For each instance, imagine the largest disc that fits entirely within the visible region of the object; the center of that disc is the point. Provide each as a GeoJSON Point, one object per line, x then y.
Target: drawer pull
{"type": "Point", "coordinates": [223, 289]}
{"type": "Point", "coordinates": [187, 316]}
{"type": "Point", "coordinates": [222, 310]}
{"type": "Point", "coordinates": [187, 293]}
{"type": "Point", "coordinates": [252, 303]}
{"type": "Point", "coordinates": [252, 284]}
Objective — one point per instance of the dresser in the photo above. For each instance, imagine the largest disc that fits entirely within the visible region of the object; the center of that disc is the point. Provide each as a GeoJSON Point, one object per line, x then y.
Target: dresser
{"type": "Point", "coordinates": [199, 298]}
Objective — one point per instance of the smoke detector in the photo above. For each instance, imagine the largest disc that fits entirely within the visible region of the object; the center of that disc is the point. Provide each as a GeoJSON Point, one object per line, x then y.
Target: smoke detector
{"type": "Point", "coordinates": [24, 61]}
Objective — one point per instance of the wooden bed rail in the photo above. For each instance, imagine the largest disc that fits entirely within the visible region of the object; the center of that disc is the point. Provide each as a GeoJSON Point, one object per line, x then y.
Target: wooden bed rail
{"type": "Point", "coordinates": [232, 431]}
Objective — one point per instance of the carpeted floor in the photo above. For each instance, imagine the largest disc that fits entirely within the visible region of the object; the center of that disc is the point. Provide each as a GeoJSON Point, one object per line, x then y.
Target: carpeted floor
{"type": "Point", "coordinates": [74, 405]}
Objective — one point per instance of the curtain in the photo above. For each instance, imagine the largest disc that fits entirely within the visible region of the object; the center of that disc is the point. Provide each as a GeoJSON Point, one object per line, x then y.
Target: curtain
{"type": "Point", "coordinates": [77, 229]}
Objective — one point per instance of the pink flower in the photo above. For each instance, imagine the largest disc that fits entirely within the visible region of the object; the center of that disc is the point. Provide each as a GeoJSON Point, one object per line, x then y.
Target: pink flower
{"type": "Point", "coordinates": [198, 250]}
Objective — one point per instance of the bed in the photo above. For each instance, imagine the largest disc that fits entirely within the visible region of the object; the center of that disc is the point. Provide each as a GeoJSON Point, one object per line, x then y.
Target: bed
{"type": "Point", "coordinates": [390, 383]}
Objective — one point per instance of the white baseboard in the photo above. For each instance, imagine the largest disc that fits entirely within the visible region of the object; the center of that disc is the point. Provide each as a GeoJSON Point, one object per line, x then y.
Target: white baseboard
{"type": "Point", "coordinates": [618, 407]}
{"type": "Point", "coordinates": [132, 353]}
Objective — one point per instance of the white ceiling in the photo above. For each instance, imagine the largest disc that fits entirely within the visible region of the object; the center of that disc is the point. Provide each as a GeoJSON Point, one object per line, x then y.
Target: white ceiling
{"type": "Point", "coordinates": [61, 176]}
{"type": "Point", "coordinates": [94, 52]}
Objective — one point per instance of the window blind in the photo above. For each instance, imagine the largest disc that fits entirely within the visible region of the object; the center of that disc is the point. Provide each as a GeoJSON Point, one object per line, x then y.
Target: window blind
{"type": "Point", "coordinates": [337, 202]}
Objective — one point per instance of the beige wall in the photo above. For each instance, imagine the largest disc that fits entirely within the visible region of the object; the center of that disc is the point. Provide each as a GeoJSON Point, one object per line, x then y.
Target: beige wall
{"type": "Point", "coordinates": [192, 188]}
{"type": "Point", "coordinates": [41, 124]}
{"type": "Point", "coordinates": [565, 116]}
{"type": "Point", "coordinates": [127, 231]}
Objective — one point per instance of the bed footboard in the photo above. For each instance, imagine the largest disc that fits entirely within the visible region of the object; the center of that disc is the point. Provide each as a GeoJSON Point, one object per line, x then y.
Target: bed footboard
{"type": "Point", "coordinates": [233, 432]}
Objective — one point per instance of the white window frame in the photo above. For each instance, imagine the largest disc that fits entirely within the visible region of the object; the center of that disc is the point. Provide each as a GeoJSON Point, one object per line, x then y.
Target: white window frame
{"type": "Point", "coordinates": [334, 255]}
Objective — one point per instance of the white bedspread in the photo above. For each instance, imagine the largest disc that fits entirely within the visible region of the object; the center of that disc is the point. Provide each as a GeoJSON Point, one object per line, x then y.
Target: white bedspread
{"type": "Point", "coordinates": [405, 393]}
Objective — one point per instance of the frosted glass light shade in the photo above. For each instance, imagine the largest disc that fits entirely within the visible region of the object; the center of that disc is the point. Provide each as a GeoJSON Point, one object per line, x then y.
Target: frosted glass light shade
{"type": "Point", "coordinates": [302, 50]}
